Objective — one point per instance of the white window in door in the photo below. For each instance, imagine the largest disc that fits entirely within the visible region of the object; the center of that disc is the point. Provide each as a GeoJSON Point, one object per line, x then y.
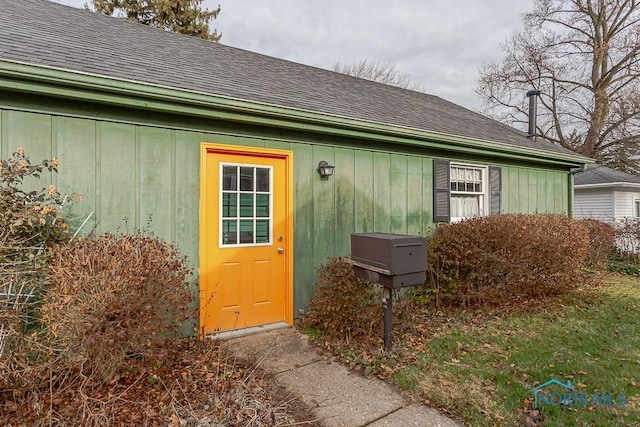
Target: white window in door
{"type": "Point", "coordinates": [246, 204]}
{"type": "Point", "coordinates": [468, 191]}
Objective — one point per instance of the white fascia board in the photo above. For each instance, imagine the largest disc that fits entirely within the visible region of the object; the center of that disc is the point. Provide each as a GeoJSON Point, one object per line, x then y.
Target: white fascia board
{"type": "Point", "coordinates": [609, 185]}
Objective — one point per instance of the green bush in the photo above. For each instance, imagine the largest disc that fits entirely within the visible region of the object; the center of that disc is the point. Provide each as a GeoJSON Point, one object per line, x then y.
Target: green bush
{"type": "Point", "coordinates": [113, 297]}
{"type": "Point", "coordinates": [601, 243]}
{"type": "Point", "coordinates": [501, 258]}
{"type": "Point", "coordinates": [344, 307]}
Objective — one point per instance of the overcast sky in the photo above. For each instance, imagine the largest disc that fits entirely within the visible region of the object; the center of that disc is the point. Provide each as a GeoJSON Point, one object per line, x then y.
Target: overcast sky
{"type": "Point", "coordinates": [440, 43]}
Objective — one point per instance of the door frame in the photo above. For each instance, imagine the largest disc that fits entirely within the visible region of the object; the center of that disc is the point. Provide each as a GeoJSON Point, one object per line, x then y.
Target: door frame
{"type": "Point", "coordinates": [208, 148]}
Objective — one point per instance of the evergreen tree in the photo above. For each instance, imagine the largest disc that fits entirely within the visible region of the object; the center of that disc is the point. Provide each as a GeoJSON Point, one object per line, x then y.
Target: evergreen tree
{"type": "Point", "coordinates": [180, 16]}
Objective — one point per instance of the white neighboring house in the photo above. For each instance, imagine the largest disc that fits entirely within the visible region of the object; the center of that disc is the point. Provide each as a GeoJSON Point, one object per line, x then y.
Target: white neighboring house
{"type": "Point", "coordinates": [608, 195]}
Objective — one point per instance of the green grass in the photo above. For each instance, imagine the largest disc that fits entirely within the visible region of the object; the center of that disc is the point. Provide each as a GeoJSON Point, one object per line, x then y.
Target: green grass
{"type": "Point", "coordinates": [313, 333]}
{"type": "Point", "coordinates": [482, 368]}
{"type": "Point", "coordinates": [629, 266]}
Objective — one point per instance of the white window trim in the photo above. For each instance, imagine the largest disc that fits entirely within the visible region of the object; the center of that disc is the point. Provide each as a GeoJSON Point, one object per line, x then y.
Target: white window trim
{"type": "Point", "coordinates": [636, 208]}
{"type": "Point", "coordinates": [484, 194]}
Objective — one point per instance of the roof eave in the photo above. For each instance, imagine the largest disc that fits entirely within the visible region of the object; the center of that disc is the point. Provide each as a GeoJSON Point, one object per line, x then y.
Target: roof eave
{"type": "Point", "coordinates": [609, 185]}
{"type": "Point", "coordinates": [72, 84]}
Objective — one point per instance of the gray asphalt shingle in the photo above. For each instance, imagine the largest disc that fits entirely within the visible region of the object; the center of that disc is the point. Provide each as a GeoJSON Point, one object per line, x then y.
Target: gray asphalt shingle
{"type": "Point", "coordinates": [50, 34]}
{"type": "Point", "coordinates": [598, 174]}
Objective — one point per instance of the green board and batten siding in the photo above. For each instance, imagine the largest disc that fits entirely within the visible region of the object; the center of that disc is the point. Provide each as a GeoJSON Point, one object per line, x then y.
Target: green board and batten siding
{"type": "Point", "coordinates": [126, 169]}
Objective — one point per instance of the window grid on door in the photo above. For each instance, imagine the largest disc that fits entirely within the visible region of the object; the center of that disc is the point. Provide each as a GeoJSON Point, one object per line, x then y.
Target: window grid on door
{"type": "Point", "coordinates": [245, 205]}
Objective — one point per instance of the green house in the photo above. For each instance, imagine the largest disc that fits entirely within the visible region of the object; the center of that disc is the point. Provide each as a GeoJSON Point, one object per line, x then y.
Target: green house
{"type": "Point", "coordinates": [221, 148]}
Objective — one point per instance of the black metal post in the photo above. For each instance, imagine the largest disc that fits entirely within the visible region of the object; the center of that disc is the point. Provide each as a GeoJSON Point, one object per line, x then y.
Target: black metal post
{"type": "Point", "coordinates": [387, 302]}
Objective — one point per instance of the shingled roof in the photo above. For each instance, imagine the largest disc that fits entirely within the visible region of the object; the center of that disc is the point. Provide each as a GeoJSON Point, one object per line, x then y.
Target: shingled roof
{"type": "Point", "coordinates": [48, 34]}
{"type": "Point", "coordinates": [602, 175]}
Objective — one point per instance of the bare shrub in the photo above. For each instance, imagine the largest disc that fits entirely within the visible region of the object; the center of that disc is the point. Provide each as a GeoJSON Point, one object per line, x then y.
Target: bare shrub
{"type": "Point", "coordinates": [628, 238]}
{"type": "Point", "coordinates": [30, 224]}
{"type": "Point", "coordinates": [344, 307]}
{"type": "Point", "coordinates": [500, 258]}
{"type": "Point", "coordinates": [29, 218]}
{"type": "Point", "coordinates": [601, 243]}
{"type": "Point", "coordinates": [113, 297]}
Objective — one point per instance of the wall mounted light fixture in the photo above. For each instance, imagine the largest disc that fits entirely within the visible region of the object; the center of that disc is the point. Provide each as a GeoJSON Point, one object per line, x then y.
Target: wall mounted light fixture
{"type": "Point", "coordinates": [325, 169]}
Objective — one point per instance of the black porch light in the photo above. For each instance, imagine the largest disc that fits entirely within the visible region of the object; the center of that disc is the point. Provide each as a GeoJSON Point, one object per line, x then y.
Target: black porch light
{"type": "Point", "coordinates": [325, 169]}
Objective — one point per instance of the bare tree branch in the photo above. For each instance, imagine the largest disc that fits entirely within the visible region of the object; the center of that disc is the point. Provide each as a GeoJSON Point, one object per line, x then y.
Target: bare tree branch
{"type": "Point", "coordinates": [379, 72]}
{"type": "Point", "coordinates": [584, 56]}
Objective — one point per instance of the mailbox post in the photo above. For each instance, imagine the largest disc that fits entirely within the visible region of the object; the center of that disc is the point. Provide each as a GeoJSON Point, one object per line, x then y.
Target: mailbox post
{"type": "Point", "coordinates": [391, 260]}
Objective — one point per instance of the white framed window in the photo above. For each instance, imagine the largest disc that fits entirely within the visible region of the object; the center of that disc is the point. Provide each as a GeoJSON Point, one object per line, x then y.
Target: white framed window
{"type": "Point", "coordinates": [465, 190]}
{"type": "Point", "coordinates": [468, 191]}
{"type": "Point", "coordinates": [636, 208]}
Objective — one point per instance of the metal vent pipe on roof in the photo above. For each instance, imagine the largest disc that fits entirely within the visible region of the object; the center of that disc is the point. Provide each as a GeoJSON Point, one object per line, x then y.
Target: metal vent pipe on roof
{"type": "Point", "coordinates": [533, 112]}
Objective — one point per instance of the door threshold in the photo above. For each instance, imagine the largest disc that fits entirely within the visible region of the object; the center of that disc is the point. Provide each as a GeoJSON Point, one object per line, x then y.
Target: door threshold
{"type": "Point", "coordinates": [237, 333]}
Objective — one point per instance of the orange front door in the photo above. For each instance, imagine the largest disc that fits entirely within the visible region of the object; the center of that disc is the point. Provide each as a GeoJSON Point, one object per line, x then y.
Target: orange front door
{"type": "Point", "coordinates": [245, 238]}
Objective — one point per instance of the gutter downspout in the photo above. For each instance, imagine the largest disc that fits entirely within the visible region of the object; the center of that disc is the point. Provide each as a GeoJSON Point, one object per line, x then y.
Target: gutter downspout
{"type": "Point", "coordinates": [572, 197]}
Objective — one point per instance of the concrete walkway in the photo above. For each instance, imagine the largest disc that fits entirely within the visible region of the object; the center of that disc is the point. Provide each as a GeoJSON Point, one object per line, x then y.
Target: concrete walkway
{"type": "Point", "coordinates": [337, 396]}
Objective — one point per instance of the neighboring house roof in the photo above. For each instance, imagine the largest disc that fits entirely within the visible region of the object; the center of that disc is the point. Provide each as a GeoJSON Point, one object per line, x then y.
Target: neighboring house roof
{"type": "Point", "coordinates": [601, 176]}
{"type": "Point", "coordinates": [37, 32]}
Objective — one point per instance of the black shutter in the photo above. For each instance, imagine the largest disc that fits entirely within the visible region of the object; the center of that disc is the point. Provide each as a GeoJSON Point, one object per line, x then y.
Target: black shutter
{"type": "Point", "coordinates": [495, 190]}
{"type": "Point", "coordinates": [441, 191]}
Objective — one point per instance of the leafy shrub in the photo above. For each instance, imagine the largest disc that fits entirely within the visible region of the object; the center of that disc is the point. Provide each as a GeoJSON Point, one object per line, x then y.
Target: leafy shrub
{"type": "Point", "coordinates": [601, 243]}
{"type": "Point", "coordinates": [343, 306]}
{"type": "Point", "coordinates": [113, 297]}
{"type": "Point", "coordinates": [504, 257]}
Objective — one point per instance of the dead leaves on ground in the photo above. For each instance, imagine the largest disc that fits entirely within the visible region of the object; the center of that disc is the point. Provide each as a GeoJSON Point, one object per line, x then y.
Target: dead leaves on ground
{"type": "Point", "coordinates": [186, 383]}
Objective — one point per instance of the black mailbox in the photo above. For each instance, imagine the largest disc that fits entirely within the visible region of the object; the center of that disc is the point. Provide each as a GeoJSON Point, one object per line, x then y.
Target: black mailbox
{"type": "Point", "coordinates": [391, 260]}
